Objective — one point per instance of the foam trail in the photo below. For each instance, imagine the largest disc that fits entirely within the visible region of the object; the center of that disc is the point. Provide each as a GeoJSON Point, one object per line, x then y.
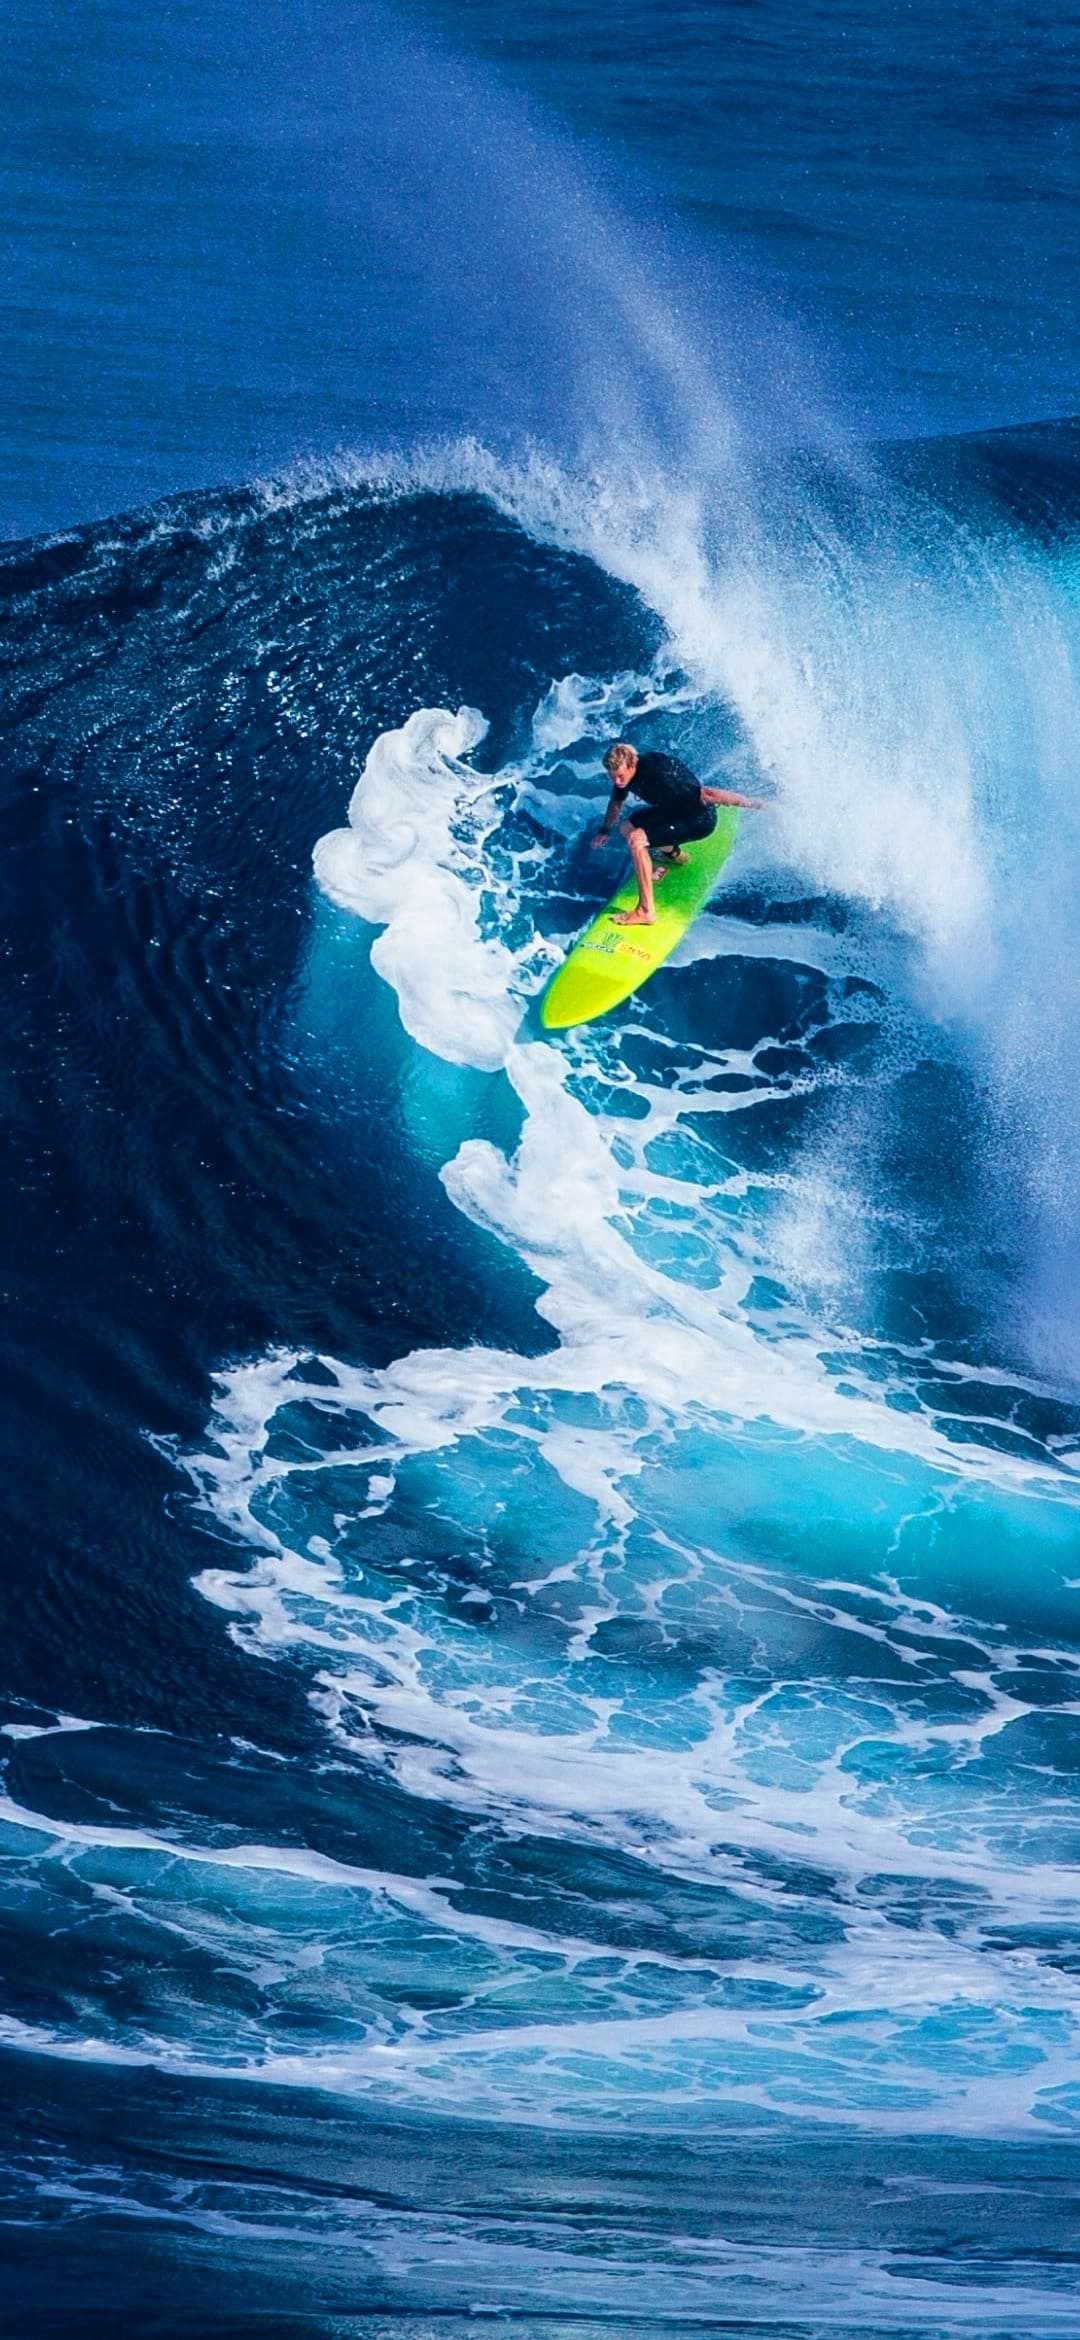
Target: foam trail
{"type": "Point", "coordinates": [911, 684]}
{"type": "Point", "coordinates": [681, 1634]}
{"type": "Point", "coordinates": [734, 2038]}
{"type": "Point", "coordinates": [420, 813]}
{"type": "Point", "coordinates": [418, 816]}
{"type": "Point", "coordinates": [905, 672]}
{"type": "Point", "coordinates": [565, 2267]}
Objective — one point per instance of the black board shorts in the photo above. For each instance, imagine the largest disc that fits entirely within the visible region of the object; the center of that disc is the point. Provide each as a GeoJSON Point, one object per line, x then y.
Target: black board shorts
{"type": "Point", "coordinates": [664, 828]}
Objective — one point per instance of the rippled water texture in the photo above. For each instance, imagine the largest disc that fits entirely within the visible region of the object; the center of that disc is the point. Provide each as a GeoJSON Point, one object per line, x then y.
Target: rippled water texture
{"type": "Point", "coordinates": [541, 1658]}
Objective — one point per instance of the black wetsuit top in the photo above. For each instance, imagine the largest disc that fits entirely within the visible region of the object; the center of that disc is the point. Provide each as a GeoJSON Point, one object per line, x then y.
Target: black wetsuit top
{"type": "Point", "coordinates": [677, 812]}
{"type": "Point", "coordinates": [669, 784]}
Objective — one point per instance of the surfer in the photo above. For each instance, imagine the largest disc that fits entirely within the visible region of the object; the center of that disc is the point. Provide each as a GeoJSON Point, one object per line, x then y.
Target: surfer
{"type": "Point", "coordinates": [678, 810]}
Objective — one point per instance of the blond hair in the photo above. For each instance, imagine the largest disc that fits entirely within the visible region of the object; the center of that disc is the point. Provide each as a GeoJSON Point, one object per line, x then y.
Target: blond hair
{"type": "Point", "coordinates": [615, 754]}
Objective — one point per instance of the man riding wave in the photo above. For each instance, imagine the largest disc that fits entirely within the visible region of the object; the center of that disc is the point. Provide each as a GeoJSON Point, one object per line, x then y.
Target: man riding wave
{"type": "Point", "coordinates": [678, 810]}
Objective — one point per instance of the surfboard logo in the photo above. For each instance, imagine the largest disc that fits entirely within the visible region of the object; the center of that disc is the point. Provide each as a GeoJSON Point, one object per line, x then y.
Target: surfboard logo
{"type": "Point", "coordinates": [613, 944]}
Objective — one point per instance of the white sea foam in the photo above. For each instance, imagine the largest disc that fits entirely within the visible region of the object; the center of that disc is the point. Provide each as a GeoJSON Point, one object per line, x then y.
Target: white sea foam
{"type": "Point", "coordinates": [562, 1201]}
{"type": "Point", "coordinates": [417, 816]}
{"type": "Point", "coordinates": [705, 1786]}
{"type": "Point", "coordinates": [597, 1487]}
{"type": "Point", "coordinates": [910, 689]}
{"type": "Point", "coordinates": [48, 1730]}
{"type": "Point", "coordinates": [840, 2025]}
{"type": "Point", "coordinates": [481, 2263]}
{"type": "Point", "coordinates": [555, 1750]}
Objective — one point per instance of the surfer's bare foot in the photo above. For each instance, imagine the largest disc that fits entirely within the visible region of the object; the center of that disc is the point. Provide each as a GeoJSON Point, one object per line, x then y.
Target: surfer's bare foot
{"type": "Point", "coordinates": [638, 917]}
{"type": "Point", "coordinates": [661, 872]}
{"type": "Point", "coordinates": [678, 859]}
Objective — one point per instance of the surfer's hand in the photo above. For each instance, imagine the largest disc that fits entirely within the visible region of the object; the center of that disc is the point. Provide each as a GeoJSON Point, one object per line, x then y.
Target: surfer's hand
{"type": "Point", "coordinates": [601, 836]}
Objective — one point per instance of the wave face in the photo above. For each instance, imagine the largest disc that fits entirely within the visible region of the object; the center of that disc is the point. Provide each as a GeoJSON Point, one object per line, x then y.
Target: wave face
{"type": "Point", "coordinates": [576, 1738]}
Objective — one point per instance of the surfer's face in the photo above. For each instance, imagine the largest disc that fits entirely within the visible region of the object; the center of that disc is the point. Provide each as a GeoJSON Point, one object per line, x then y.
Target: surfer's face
{"type": "Point", "coordinates": [623, 771]}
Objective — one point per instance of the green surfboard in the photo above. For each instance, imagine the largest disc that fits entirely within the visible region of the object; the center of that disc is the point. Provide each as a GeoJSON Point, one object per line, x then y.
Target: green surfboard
{"type": "Point", "coordinates": [609, 961]}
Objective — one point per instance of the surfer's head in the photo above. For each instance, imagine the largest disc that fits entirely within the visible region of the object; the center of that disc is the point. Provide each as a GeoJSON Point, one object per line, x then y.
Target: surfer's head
{"type": "Point", "coordinates": [620, 760]}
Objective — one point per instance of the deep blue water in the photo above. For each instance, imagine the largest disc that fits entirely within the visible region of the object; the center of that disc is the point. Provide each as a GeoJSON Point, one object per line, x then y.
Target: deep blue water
{"type": "Point", "coordinates": [541, 1650]}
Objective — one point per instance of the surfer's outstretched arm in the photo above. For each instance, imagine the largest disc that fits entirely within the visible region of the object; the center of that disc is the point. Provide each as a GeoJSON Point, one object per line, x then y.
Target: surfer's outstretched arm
{"type": "Point", "coordinates": [732, 796]}
{"type": "Point", "coordinates": [615, 805]}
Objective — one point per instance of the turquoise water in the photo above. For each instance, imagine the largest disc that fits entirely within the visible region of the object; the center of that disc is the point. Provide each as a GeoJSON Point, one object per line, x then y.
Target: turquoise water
{"type": "Point", "coordinates": [541, 1649]}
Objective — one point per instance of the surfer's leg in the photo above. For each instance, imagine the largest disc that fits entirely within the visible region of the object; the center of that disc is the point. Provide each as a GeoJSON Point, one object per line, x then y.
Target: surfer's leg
{"type": "Point", "coordinates": [641, 856]}
{"type": "Point", "coordinates": [666, 840]}
{"type": "Point", "coordinates": [685, 832]}
{"type": "Point", "coordinates": [663, 842]}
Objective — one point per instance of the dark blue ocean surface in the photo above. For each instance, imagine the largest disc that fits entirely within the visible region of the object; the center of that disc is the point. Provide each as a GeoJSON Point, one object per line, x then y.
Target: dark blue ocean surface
{"type": "Point", "coordinates": [241, 234]}
{"type": "Point", "coordinates": [540, 1669]}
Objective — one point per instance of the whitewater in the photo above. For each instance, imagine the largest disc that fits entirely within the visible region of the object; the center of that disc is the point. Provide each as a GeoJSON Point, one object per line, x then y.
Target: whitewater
{"type": "Point", "coordinates": [539, 1739]}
